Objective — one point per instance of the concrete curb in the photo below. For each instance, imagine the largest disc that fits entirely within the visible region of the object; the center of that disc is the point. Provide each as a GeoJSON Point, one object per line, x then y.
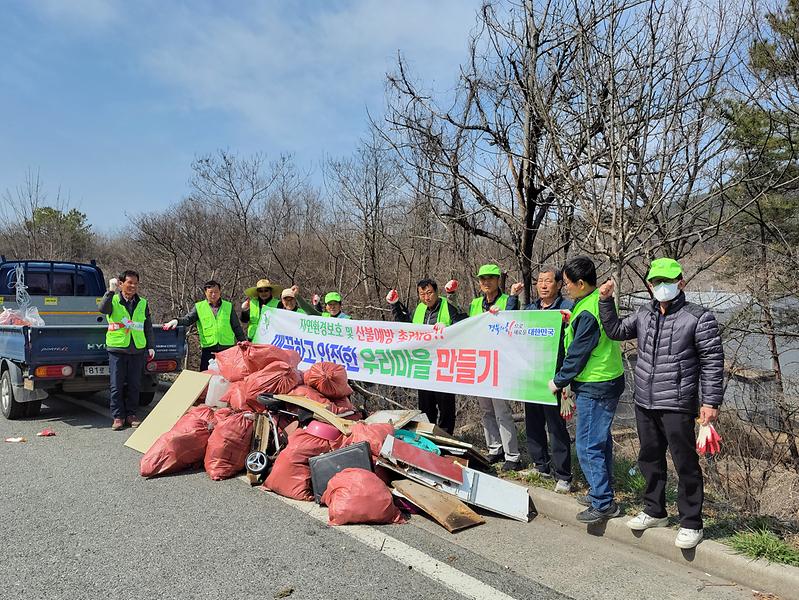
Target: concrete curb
{"type": "Point", "coordinates": [711, 557]}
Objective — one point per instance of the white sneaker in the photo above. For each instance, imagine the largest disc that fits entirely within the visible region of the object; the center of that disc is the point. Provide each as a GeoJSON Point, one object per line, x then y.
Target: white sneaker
{"type": "Point", "coordinates": [644, 521]}
{"type": "Point", "coordinates": [563, 486]}
{"type": "Point", "coordinates": [688, 538]}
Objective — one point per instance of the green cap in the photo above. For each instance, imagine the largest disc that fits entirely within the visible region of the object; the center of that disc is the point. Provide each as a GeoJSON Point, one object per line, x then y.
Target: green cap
{"type": "Point", "coordinates": [665, 268]}
{"type": "Point", "coordinates": [332, 297]}
{"type": "Point", "coordinates": [489, 270]}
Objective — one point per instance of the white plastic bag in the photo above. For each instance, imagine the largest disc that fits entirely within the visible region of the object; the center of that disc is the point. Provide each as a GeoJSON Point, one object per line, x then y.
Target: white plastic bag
{"type": "Point", "coordinates": [30, 317]}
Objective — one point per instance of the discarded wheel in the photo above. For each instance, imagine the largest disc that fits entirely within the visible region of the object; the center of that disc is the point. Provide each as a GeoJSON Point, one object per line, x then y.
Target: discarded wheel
{"type": "Point", "coordinates": [257, 462]}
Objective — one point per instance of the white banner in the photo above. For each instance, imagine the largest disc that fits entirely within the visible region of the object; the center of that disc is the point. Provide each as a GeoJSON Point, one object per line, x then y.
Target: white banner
{"type": "Point", "coordinates": [511, 355]}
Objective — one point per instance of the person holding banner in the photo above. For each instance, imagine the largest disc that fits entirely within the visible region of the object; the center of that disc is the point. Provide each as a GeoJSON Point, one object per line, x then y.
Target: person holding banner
{"type": "Point", "coordinates": [594, 370]}
{"type": "Point", "coordinates": [217, 323]}
{"type": "Point", "coordinates": [551, 458]}
{"type": "Point", "coordinates": [497, 416]}
{"type": "Point", "coordinates": [263, 295]}
{"type": "Point", "coordinates": [288, 300]}
{"type": "Point", "coordinates": [439, 312]}
{"type": "Point", "coordinates": [332, 306]}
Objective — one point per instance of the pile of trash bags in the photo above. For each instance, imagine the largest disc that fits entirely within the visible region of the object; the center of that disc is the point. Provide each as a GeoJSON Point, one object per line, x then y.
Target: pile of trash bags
{"type": "Point", "coordinates": [218, 435]}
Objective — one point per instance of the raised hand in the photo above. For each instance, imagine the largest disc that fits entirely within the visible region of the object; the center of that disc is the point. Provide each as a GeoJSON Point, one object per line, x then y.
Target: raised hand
{"type": "Point", "coordinates": [606, 290]}
{"type": "Point", "coordinates": [392, 297]}
{"type": "Point", "coordinates": [517, 288]}
{"type": "Point", "coordinates": [451, 286]}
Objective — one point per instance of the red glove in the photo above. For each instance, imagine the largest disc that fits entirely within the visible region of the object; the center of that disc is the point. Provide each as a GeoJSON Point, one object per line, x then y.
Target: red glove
{"type": "Point", "coordinates": [451, 286]}
{"type": "Point", "coordinates": [392, 297]}
{"type": "Point", "coordinates": [567, 316]}
{"type": "Point", "coordinates": [567, 407]}
{"type": "Point", "coordinates": [708, 440]}
{"type": "Point", "coordinates": [494, 309]}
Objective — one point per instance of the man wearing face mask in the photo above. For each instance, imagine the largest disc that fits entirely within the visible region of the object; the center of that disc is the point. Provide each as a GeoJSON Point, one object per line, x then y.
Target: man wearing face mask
{"type": "Point", "coordinates": [680, 359]}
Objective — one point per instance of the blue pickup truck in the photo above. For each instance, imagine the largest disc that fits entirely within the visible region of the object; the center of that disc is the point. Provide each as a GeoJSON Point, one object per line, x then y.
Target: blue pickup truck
{"type": "Point", "coordinates": [67, 355]}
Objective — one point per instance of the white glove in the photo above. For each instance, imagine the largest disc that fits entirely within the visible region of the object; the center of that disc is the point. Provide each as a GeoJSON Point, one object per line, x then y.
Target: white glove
{"type": "Point", "coordinates": [171, 325]}
{"type": "Point", "coordinates": [451, 286]}
{"type": "Point", "coordinates": [245, 305]}
{"type": "Point", "coordinates": [567, 407]}
{"type": "Point", "coordinates": [316, 299]}
{"type": "Point", "coordinates": [150, 355]}
{"type": "Point", "coordinates": [113, 284]}
{"type": "Point", "coordinates": [392, 297]}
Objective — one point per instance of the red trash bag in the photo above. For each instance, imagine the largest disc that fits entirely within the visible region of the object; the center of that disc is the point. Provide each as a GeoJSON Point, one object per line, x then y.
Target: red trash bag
{"type": "Point", "coordinates": [257, 356]}
{"type": "Point", "coordinates": [204, 412]}
{"type": "Point", "coordinates": [329, 378]}
{"type": "Point", "coordinates": [356, 496]}
{"type": "Point", "coordinates": [231, 363]}
{"type": "Point", "coordinates": [375, 434]}
{"type": "Point", "coordinates": [229, 446]}
{"type": "Point", "coordinates": [342, 405]}
{"type": "Point", "coordinates": [291, 475]}
{"type": "Point", "coordinates": [310, 393]}
{"type": "Point", "coordinates": [236, 398]}
{"type": "Point", "coordinates": [180, 448]}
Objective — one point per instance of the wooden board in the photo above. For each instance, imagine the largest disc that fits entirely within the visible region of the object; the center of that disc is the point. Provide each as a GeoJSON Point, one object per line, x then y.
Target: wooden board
{"type": "Point", "coordinates": [399, 451]}
{"type": "Point", "coordinates": [397, 418]}
{"type": "Point", "coordinates": [449, 512]}
{"type": "Point", "coordinates": [177, 400]}
{"type": "Point", "coordinates": [319, 411]}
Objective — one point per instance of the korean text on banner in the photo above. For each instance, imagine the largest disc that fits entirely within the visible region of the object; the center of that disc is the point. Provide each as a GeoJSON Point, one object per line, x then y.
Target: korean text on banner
{"type": "Point", "coordinates": [511, 355]}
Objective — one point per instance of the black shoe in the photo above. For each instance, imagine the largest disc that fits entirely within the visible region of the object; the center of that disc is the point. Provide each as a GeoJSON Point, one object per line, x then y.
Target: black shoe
{"type": "Point", "coordinates": [592, 515]}
{"type": "Point", "coordinates": [583, 500]}
{"type": "Point", "coordinates": [495, 458]}
{"type": "Point", "coordinates": [516, 465]}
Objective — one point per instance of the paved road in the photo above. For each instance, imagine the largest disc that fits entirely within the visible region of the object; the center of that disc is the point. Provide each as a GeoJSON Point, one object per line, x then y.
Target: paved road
{"type": "Point", "coordinates": [79, 522]}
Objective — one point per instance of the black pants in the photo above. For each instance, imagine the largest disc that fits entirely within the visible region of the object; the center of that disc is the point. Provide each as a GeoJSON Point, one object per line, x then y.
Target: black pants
{"type": "Point", "coordinates": [657, 430]}
{"type": "Point", "coordinates": [208, 353]}
{"type": "Point", "coordinates": [553, 457]}
{"type": "Point", "coordinates": [126, 373]}
{"type": "Point", "coordinates": [439, 408]}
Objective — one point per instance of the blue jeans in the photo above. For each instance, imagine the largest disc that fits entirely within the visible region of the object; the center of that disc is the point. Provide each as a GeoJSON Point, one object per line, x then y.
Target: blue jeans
{"type": "Point", "coordinates": [594, 446]}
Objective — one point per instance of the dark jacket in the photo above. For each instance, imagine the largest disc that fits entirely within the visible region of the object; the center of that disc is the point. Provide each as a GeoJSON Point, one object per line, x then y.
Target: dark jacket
{"type": "Point", "coordinates": [560, 303]}
{"type": "Point", "coordinates": [680, 354]}
{"type": "Point", "coordinates": [403, 315]}
{"type": "Point", "coordinates": [106, 307]}
{"type": "Point", "coordinates": [191, 318]}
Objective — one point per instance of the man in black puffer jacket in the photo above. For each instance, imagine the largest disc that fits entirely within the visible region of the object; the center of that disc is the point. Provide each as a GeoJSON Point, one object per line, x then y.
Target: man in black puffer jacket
{"type": "Point", "coordinates": [680, 359]}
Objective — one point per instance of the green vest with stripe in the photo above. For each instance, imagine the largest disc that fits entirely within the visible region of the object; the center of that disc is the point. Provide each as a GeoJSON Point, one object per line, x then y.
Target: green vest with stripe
{"type": "Point", "coordinates": [215, 330]}
{"type": "Point", "coordinates": [442, 317]}
{"type": "Point", "coordinates": [476, 307]}
{"type": "Point", "coordinates": [605, 363]}
{"type": "Point", "coordinates": [122, 325]}
{"type": "Point", "coordinates": [255, 314]}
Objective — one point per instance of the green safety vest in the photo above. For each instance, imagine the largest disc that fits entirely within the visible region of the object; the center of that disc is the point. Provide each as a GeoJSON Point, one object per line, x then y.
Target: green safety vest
{"type": "Point", "coordinates": [255, 314]}
{"type": "Point", "coordinates": [442, 317]}
{"type": "Point", "coordinates": [605, 362]}
{"type": "Point", "coordinates": [215, 330]}
{"type": "Point", "coordinates": [121, 325]}
{"type": "Point", "coordinates": [476, 308]}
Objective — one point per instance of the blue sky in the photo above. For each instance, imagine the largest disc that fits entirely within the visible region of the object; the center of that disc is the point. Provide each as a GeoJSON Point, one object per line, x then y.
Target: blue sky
{"type": "Point", "coordinates": [111, 100]}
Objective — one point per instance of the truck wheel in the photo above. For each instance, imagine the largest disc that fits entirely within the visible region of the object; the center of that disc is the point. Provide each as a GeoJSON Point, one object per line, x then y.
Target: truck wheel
{"type": "Point", "coordinates": [146, 398]}
{"type": "Point", "coordinates": [32, 409]}
{"type": "Point", "coordinates": [10, 408]}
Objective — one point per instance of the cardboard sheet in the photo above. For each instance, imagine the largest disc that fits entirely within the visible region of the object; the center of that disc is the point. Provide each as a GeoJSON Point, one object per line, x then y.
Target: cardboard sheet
{"type": "Point", "coordinates": [449, 512]}
{"type": "Point", "coordinates": [177, 400]}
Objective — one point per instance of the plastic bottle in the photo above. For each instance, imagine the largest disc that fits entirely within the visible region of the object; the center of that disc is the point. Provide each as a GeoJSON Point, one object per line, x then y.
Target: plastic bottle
{"type": "Point", "coordinates": [217, 388]}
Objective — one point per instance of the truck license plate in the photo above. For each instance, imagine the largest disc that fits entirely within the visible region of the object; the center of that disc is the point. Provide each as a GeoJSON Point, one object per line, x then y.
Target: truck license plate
{"type": "Point", "coordinates": [94, 371]}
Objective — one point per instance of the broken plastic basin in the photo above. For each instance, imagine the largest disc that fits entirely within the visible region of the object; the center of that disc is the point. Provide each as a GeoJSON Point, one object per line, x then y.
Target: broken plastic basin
{"type": "Point", "coordinates": [323, 430]}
